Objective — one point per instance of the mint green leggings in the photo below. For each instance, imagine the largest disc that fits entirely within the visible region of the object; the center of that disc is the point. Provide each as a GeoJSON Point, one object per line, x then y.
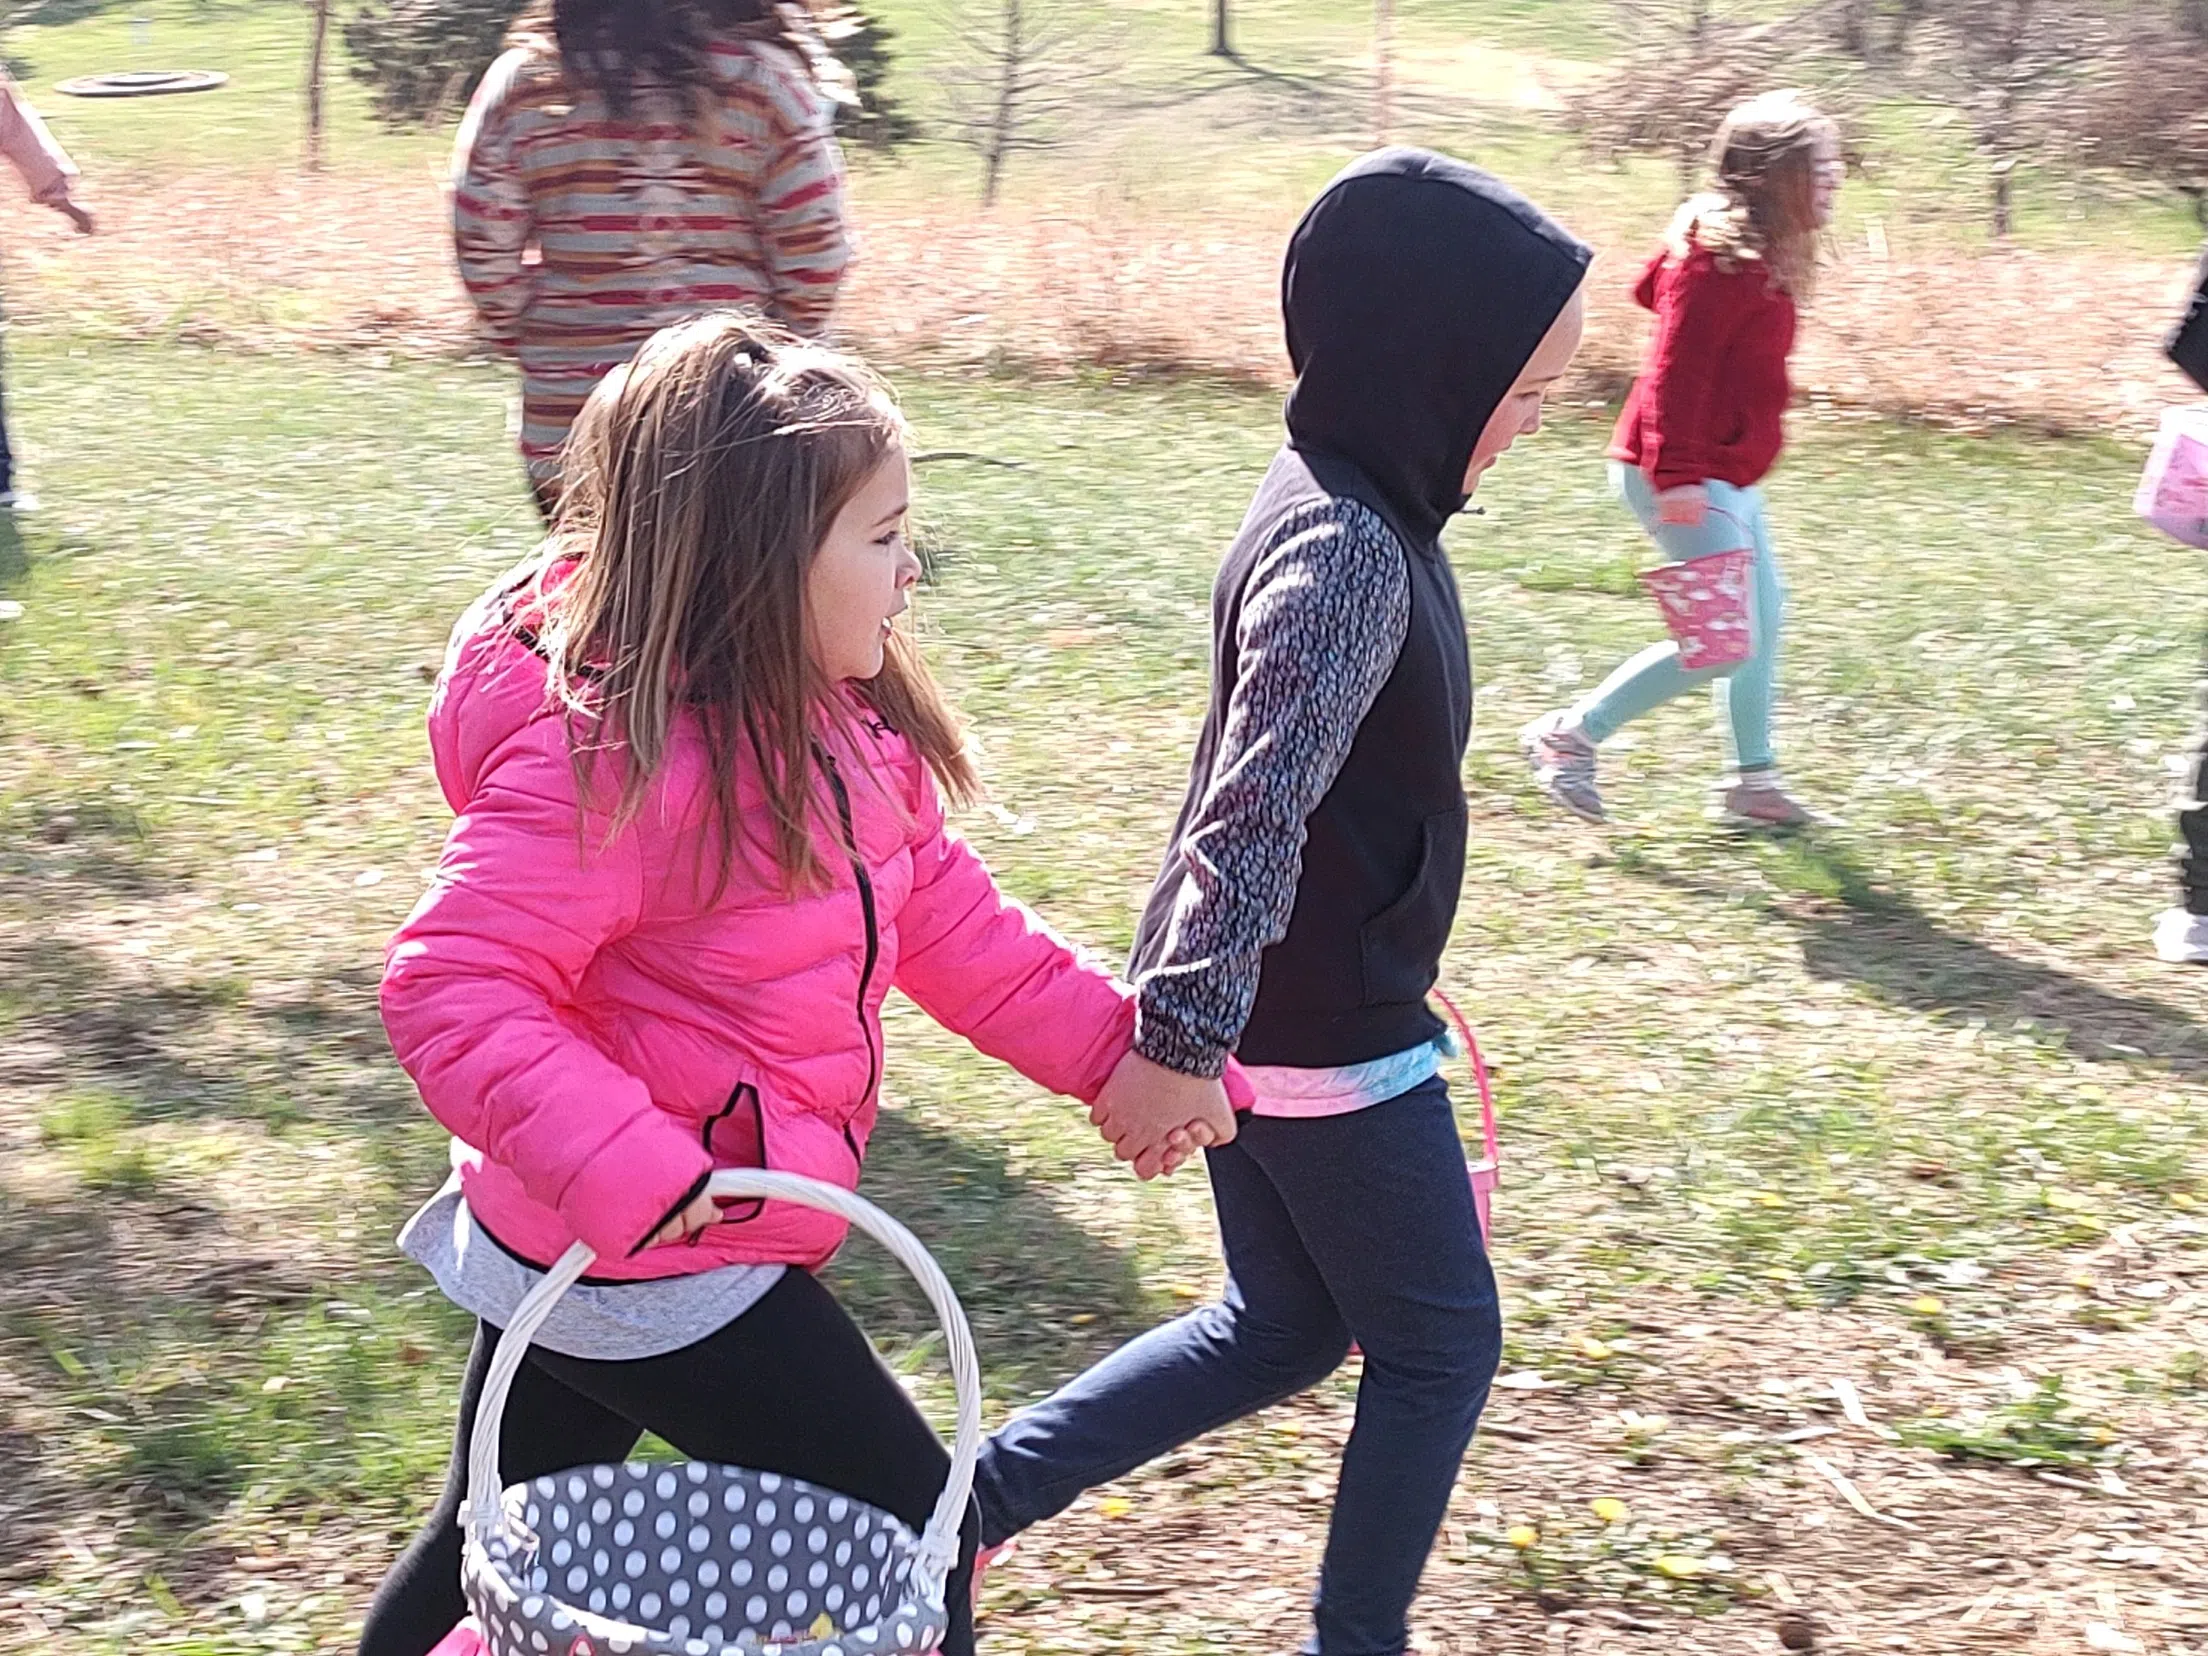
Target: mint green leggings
{"type": "Point", "coordinates": [1742, 692]}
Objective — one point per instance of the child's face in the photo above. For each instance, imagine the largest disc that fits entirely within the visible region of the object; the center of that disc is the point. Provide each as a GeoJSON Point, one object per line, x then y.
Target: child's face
{"type": "Point", "coordinates": [862, 577]}
{"type": "Point", "coordinates": [1519, 413]}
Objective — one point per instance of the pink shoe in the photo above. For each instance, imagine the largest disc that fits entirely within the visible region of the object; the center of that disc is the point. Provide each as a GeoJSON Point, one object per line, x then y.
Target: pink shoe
{"type": "Point", "coordinates": [464, 1640]}
{"type": "Point", "coordinates": [1758, 801]}
{"type": "Point", "coordinates": [1563, 762]}
{"type": "Point", "coordinates": [986, 1557]}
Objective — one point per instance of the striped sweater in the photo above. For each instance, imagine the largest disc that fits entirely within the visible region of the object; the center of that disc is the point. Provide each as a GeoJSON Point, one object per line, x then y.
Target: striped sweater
{"type": "Point", "coordinates": [580, 235]}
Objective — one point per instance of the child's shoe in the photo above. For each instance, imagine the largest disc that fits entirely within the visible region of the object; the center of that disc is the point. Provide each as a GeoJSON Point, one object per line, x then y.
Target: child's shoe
{"type": "Point", "coordinates": [986, 1557]}
{"type": "Point", "coordinates": [2181, 938]}
{"type": "Point", "coordinates": [1755, 799]}
{"type": "Point", "coordinates": [19, 501]}
{"type": "Point", "coordinates": [1563, 761]}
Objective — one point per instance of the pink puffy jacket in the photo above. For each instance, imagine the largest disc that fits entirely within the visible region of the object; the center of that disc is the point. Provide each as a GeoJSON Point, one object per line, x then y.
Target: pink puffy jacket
{"type": "Point", "coordinates": [599, 1035]}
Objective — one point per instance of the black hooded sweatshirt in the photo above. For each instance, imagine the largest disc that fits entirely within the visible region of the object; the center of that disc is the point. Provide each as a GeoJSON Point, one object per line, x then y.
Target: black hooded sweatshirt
{"type": "Point", "coordinates": [1312, 878]}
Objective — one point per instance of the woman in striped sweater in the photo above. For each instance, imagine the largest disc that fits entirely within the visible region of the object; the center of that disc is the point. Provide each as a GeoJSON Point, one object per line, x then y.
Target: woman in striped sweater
{"type": "Point", "coordinates": [628, 163]}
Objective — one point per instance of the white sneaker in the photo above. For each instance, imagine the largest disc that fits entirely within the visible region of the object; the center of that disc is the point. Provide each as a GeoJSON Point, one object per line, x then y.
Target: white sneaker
{"type": "Point", "coordinates": [1760, 802]}
{"type": "Point", "coordinates": [18, 500]}
{"type": "Point", "coordinates": [2181, 938]}
{"type": "Point", "coordinates": [1563, 762]}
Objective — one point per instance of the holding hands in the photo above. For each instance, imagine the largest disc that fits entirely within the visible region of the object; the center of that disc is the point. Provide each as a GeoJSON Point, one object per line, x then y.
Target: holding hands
{"type": "Point", "coordinates": [1157, 1118]}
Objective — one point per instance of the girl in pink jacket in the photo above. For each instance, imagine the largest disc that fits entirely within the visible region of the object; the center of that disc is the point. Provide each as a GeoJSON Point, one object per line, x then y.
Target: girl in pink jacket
{"type": "Point", "coordinates": [696, 769]}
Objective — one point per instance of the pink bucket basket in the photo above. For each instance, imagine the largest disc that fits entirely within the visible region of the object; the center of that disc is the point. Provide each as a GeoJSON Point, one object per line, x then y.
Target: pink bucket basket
{"type": "Point", "coordinates": [2173, 495]}
{"type": "Point", "coordinates": [1705, 605]}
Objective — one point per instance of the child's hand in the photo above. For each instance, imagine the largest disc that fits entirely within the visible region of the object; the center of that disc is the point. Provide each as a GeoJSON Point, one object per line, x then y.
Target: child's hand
{"type": "Point", "coordinates": [77, 215]}
{"type": "Point", "coordinates": [1688, 505]}
{"type": "Point", "coordinates": [1157, 1118]}
{"type": "Point", "coordinates": [701, 1212]}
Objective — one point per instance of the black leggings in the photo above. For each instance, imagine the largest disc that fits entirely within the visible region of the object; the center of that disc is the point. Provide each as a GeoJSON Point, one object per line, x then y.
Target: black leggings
{"type": "Point", "coordinates": [791, 1386]}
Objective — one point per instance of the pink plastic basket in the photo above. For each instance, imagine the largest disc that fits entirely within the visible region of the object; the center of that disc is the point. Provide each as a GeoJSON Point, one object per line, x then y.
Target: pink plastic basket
{"type": "Point", "coordinates": [2173, 493]}
{"type": "Point", "coordinates": [1705, 605]}
{"type": "Point", "coordinates": [464, 1640]}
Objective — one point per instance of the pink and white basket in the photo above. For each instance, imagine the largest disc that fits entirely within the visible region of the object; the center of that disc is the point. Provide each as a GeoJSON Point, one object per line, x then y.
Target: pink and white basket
{"type": "Point", "coordinates": [2173, 493]}
{"type": "Point", "coordinates": [1705, 605]}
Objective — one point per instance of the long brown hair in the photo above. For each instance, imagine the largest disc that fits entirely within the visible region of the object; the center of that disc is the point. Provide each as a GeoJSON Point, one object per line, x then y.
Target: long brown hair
{"type": "Point", "coordinates": [622, 49]}
{"type": "Point", "coordinates": [700, 481]}
{"type": "Point", "coordinates": [1761, 203]}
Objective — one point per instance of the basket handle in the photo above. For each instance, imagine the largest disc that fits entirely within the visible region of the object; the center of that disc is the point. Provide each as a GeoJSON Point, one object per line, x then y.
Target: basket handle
{"type": "Point", "coordinates": [1489, 1140]}
{"type": "Point", "coordinates": [939, 1542]}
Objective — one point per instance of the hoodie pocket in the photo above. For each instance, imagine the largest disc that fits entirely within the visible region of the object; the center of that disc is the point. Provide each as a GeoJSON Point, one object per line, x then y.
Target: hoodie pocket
{"type": "Point", "coordinates": [735, 1135]}
{"type": "Point", "coordinates": [1401, 946]}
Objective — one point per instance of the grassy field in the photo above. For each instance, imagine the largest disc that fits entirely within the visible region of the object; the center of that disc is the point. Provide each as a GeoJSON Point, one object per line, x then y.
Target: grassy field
{"type": "Point", "coordinates": [1905, 1105]}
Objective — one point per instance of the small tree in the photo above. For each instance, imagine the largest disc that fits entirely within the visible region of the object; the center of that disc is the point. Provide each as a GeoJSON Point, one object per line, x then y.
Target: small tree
{"type": "Point", "coordinates": [420, 59]}
{"type": "Point", "coordinates": [1687, 69]}
{"type": "Point", "coordinates": [2140, 107]}
{"type": "Point", "coordinates": [861, 43]}
{"type": "Point", "coordinates": [1023, 65]}
{"type": "Point", "coordinates": [1222, 29]}
{"type": "Point", "coordinates": [318, 49]}
{"type": "Point", "coordinates": [2003, 64]}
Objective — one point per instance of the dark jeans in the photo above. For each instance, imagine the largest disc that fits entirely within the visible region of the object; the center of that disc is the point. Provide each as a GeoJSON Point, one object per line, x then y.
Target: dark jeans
{"type": "Point", "coordinates": [791, 1386]}
{"type": "Point", "coordinates": [2192, 816]}
{"type": "Point", "coordinates": [1358, 1226]}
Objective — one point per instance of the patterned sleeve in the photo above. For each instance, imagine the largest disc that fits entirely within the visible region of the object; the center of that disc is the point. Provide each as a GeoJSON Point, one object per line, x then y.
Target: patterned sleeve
{"type": "Point", "coordinates": [801, 205]}
{"type": "Point", "coordinates": [490, 208]}
{"type": "Point", "coordinates": [1322, 624]}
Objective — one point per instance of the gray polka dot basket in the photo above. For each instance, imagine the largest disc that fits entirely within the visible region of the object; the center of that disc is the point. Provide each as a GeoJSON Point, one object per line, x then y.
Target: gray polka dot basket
{"type": "Point", "coordinates": [691, 1559]}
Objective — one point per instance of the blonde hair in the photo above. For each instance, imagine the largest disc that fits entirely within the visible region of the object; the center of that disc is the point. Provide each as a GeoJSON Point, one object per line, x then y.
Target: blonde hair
{"type": "Point", "coordinates": [700, 480]}
{"type": "Point", "coordinates": [1760, 204]}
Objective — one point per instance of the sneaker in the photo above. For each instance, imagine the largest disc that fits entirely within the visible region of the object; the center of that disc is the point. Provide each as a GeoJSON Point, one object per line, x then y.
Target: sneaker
{"type": "Point", "coordinates": [986, 1557]}
{"type": "Point", "coordinates": [1563, 762]}
{"type": "Point", "coordinates": [1760, 802]}
{"type": "Point", "coordinates": [18, 500]}
{"type": "Point", "coordinates": [2181, 938]}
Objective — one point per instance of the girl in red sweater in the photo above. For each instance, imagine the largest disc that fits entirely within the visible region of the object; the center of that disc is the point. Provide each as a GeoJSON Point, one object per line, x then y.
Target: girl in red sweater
{"type": "Point", "coordinates": [1702, 427]}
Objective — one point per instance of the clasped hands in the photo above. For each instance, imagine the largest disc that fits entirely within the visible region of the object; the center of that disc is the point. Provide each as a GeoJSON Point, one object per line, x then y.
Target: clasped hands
{"type": "Point", "coordinates": [1156, 1118]}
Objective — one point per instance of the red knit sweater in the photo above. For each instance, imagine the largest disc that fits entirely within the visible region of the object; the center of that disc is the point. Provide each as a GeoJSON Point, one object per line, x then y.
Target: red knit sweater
{"type": "Point", "coordinates": [1711, 403]}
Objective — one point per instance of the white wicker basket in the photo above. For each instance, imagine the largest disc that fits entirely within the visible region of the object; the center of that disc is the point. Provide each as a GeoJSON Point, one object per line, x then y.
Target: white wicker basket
{"type": "Point", "coordinates": [689, 1559]}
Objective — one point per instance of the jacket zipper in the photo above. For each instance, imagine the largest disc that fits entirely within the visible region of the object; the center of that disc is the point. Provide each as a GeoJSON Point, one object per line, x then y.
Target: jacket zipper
{"type": "Point", "coordinates": [873, 934]}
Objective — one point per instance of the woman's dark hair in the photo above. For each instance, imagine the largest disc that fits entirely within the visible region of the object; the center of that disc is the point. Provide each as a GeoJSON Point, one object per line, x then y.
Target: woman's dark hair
{"type": "Point", "coordinates": [616, 47]}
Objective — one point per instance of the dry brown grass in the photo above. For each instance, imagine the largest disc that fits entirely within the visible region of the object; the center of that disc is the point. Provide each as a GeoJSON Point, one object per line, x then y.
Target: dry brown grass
{"type": "Point", "coordinates": [2066, 343]}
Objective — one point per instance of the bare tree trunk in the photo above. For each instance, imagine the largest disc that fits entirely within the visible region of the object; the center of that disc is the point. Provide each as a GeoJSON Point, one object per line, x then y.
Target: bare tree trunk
{"type": "Point", "coordinates": [317, 58]}
{"type": "Point", "coordinates": [1692, 147]}
{"type": "Point", "coordinates": [2004, 213]}
{"type": "Point", "coordinates": [1383, 63]}
{"type": "Point", "coordinates": [1222, 38]}
{"type": "Point", "coordinates": [1004, 123]}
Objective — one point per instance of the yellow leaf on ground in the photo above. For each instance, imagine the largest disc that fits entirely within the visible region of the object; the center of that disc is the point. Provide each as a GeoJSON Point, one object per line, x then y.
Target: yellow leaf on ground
{"type": "Point", "coordinates": [1925, 1305]}
{"type": "Point", "coordinates": [1594, 1350]}
{"type": "Point", "coordinates": [1610, 1509]}
{"type": "Point", "coordinates": [1678, 1566]}
{"type": "Point", "coordinates": [1115, 1506]}
{"type": "Point", "coordinates": [824, 1626]}
{"type": "Point", "coordinates": [1521, 1536]}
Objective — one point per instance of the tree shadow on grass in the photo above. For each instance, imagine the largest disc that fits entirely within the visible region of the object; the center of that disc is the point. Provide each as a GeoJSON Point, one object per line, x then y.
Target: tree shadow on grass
{"type": "Point", "coordinates": [1854, 929]}
{"type": "Point", "coordinates": [1023, 1271]}
{"type": "Point", "coordinates": [207, 1050]}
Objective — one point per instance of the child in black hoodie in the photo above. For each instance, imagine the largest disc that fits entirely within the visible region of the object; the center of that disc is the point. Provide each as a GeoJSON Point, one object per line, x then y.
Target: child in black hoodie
{"type": "Point", "coordinates": [1311, 884]}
